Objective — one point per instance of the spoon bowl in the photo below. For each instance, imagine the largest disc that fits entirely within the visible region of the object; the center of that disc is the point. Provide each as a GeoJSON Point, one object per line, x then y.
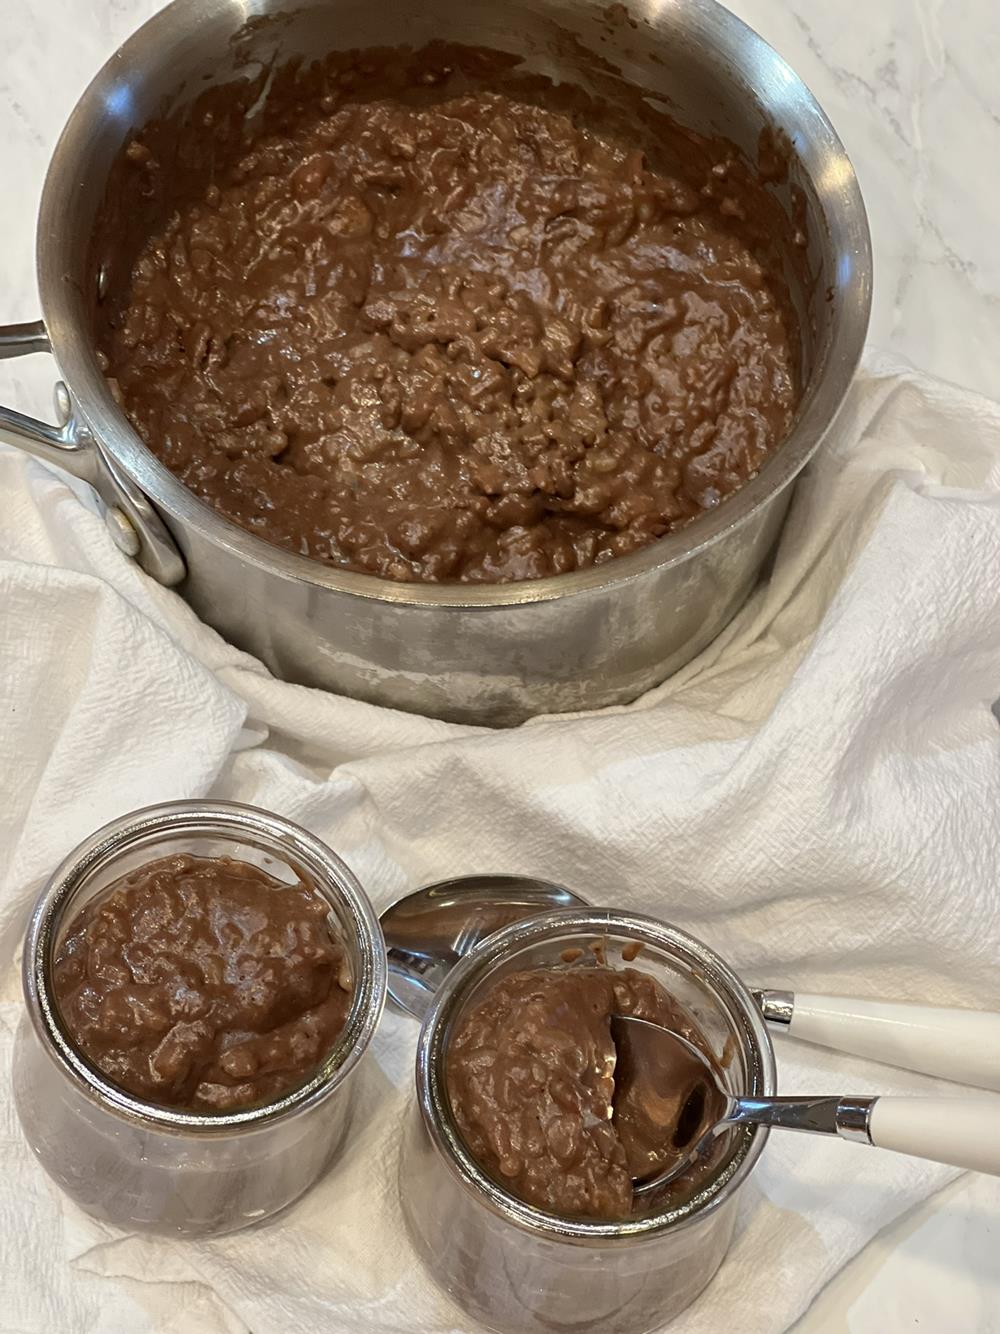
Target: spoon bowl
{"type": "Point", "coordinates": [429, 931]}
{"type": "Point", "coordinates": [668, 1103]}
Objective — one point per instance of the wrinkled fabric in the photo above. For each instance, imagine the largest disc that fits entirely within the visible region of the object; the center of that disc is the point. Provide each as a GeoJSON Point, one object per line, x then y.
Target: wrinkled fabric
{"type": "Point", "coordinates": [817, 797]}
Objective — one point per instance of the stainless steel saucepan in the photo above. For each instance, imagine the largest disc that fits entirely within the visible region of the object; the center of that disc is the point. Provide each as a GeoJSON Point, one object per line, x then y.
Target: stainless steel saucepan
{"type": "Point", "coordinates": [492, 655]}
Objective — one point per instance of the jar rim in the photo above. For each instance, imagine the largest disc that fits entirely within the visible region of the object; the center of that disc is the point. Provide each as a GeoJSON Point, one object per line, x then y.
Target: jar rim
{"type": "Point", "coordinates": [259, 828]}
{"type": "Point", "coordinates": [447, 1139]}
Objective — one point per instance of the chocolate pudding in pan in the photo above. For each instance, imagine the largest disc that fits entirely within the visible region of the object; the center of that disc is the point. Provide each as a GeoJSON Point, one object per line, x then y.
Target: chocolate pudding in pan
{"type": "Point", "coordinates": [429, 319]}
{"type": "Point", "coordinates": [204, 984]}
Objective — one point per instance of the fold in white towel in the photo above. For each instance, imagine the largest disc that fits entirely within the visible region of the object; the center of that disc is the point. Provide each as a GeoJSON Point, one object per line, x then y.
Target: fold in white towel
{"type": "Point", "coordinates": [818, 797]}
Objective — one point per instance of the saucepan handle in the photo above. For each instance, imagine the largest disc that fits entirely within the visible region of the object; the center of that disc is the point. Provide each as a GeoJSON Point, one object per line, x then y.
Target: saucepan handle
{"type": "Point", "coordinates": [134, 524]}
{"type": "Point", "coordinates": [55, 444]}
{"type": "Point", "coordinates": [963, 1045]}
{"type": "Point", "coordinates": [18, 340]}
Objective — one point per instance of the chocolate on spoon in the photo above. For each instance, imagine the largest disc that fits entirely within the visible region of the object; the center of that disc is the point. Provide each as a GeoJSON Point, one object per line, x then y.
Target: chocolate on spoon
{"type": "Point", "coordinates": [669, 1105]}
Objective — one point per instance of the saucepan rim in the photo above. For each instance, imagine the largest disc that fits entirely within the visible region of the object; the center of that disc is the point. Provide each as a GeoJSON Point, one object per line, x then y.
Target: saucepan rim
{"type": "Point", "coordinates": [840, 197]}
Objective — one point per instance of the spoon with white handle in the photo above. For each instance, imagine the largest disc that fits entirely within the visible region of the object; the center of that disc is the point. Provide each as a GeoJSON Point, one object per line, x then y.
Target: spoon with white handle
{"type": "Point", "coordinates": [963, 1045]}
{"type": "Point", "coordinates": [428, 931]}
{"type": "Point", "coordinates": [669, 1105]}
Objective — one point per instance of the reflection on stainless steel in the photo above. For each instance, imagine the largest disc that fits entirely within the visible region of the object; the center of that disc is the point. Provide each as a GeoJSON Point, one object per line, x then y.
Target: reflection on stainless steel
{"type": "Point", "coordinates": [18, 340]}
{"type": "Point", "coordinates": [135, 526]}
{"type": "Point", "coordinates": [483, 654]}
{"type": "Point", "coordinates": [514, 1268]}
{"type": "Point", "coordinates": [667, 1101]}
{"type": "Point", "coordinates": [670, 1101]}
{"type": "Point", "coordinates": [777, 1007]}
{"type": "Point", "coordinates": [428, 931]}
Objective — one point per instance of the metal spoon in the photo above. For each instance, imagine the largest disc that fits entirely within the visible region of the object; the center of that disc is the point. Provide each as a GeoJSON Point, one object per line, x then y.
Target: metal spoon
{"type": "Point", "coordinates": [669, 1105]}
{"type": "Point", "coordinates": [428, 931]}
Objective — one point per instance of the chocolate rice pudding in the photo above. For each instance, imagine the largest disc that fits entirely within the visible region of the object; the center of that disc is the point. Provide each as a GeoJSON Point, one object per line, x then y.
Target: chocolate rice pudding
{"type": "Point", "coordinates": [530, 1078]}
{"type": "Point", "coordinates": [428, 322]}
{"type": "Point", "coordinates": [203, 983]}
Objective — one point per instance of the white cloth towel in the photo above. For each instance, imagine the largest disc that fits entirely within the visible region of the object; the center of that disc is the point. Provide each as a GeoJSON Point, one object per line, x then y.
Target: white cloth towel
{"type": "Point", "coordinates": [818, 797]}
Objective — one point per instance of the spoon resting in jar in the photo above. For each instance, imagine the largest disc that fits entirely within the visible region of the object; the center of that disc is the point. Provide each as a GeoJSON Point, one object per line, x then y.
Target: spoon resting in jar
{"type": "Point", "coordinates": [669, 1105]}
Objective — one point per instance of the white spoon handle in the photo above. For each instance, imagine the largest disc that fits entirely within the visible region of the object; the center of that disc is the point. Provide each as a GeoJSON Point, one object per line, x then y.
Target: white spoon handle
{"type": "Point", "coordinates": [963, 1045]}
{"type": "Point", "coordinates": [963, 1132]}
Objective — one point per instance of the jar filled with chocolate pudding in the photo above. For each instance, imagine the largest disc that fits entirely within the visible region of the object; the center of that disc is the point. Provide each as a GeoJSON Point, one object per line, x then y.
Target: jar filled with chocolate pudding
{"type": "Point", "coordinates": [201, 981]}
{"type": "Point", "coordinates": [514, 1182]}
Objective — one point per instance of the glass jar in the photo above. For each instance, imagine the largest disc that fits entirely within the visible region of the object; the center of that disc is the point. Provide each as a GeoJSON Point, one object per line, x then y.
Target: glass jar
{"type": "Point", "coordinates": [518, 1270]}
{"type": "Point", "coordinates": [163, 1169]}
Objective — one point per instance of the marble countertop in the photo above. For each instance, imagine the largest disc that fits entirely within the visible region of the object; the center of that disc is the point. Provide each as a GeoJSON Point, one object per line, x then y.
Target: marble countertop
{"type": "Point", "coordinates": [911, 86]}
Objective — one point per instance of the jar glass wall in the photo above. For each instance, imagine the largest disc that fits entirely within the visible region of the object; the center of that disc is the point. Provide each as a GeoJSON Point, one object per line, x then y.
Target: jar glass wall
{"type": "Point", "coordinates": [164, 1169]}
{"type": "Point", "coordinates": [516, 1269]}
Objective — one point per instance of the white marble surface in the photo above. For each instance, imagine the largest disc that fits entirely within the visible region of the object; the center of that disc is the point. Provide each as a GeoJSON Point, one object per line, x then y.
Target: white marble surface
{"type": "Point", "coordinates": [912, 86]}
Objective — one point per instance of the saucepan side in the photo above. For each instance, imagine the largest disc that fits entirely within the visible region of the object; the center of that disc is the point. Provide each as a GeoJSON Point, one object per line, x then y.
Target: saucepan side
{"type": "Point", "coordinates": [484, 654]}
